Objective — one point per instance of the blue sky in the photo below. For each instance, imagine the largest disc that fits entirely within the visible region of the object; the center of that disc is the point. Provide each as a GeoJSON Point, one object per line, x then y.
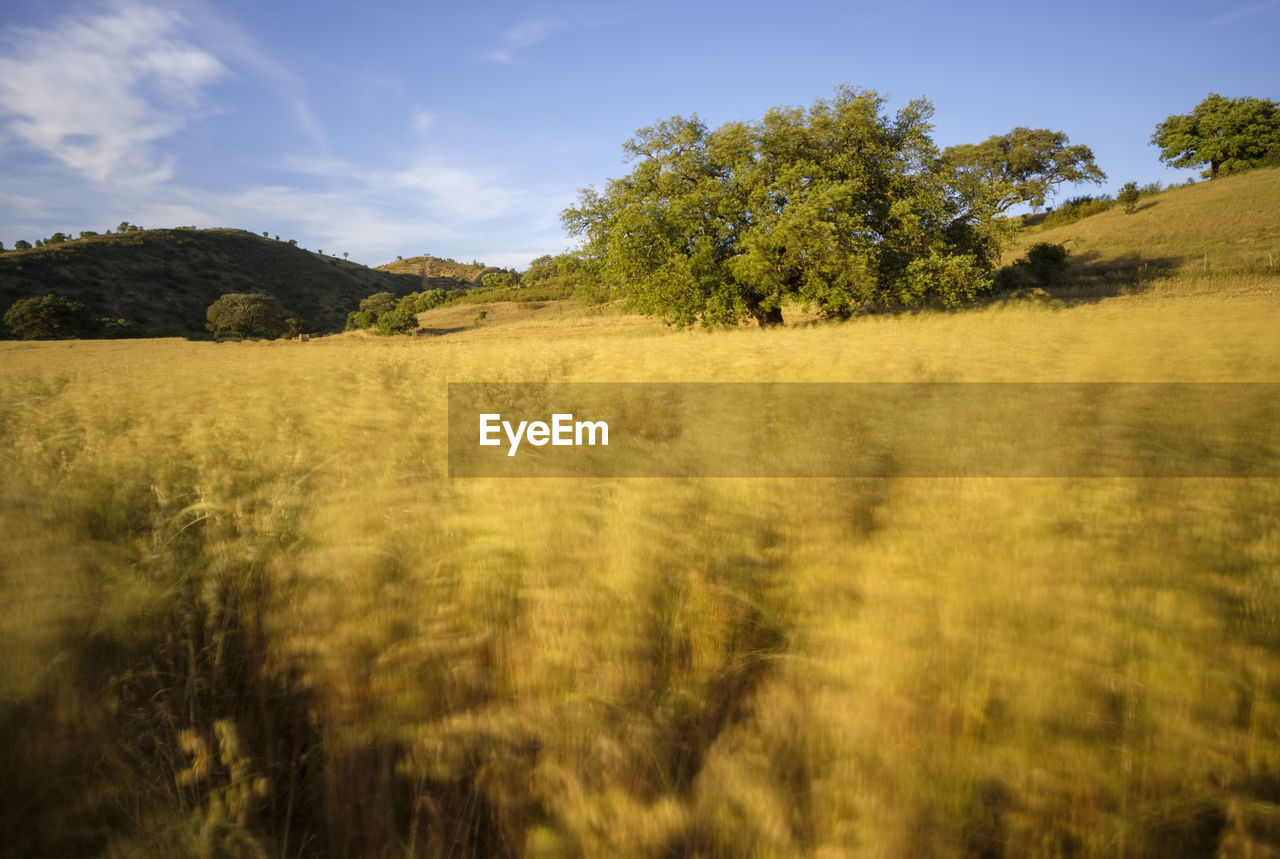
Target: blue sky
{"type": "Point", "coordinates": [463, 129]}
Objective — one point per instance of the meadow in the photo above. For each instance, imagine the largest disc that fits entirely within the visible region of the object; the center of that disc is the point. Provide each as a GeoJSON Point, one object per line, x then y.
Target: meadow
{"type": "Point", "coordinates": [247, 613]}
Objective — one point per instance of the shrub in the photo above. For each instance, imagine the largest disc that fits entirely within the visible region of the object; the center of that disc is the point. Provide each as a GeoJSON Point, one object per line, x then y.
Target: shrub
{"type": "Point", "coordinates": [1128, 197]}
{"type": "Point", "coordinates": [1044, 265]}
{"type": "Point", "coordinates": [379, 302]}
{"type": "Point", "coordinates": [950, 279]}
{"type": "Point", "coordinates": [1077, 208]}
{"type": "Point", "coordinates": [498, 279]}
{"type": "Point", "coordinates": [51, 317]}
{"type": "Point", "coordinates": [241, 315]}
{"type": "Point", "coordinates": [421, 302]}
{"type": "Point", "coordinates": [358, 320]}
{"type": "Point", "coordinates": [398, 321]}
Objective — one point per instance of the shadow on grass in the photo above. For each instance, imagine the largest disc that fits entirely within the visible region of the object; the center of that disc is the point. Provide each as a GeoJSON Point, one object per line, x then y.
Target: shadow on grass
{"type": "Point", "coordinates": [440, 332]}
{"type": "Point", "coordinates": [1089, 277]}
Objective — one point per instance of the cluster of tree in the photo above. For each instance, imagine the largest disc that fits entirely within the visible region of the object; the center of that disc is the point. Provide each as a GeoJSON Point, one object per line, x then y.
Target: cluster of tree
{"type": "Point", "coordinates": [54, 317]}
{"type": "Point", "coordinates": [385, 314]}
{"type": "Point", "coordinates": [241, 315]}
{"type": "Point", "coordinates": [61, 237]}
{"type": "Point", "coordinates": [501, 279]}
{"type": "Point", "coordinates": [839, 206]}
{"type": "Point", "coordinates": [1227, 134]}
{"type": "Point", "coordinates": [565, 268]}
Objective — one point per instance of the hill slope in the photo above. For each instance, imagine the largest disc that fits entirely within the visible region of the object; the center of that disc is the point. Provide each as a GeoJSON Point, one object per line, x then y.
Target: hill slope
{"type": "Point", "coordinates": [1230, 226]}
{"type": "Point", "coordinates": [163, 281]}
{"type": "Point", "coordinates": [437, 273]}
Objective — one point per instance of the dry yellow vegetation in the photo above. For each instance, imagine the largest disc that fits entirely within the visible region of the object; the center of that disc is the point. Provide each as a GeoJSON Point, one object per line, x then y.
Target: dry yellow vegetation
{"type": "Point", "coordinates": [246, 613]}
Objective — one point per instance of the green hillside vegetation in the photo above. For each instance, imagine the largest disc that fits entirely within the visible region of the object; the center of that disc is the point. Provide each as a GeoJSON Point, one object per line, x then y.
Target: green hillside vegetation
{"type": "Point", "coordinates": [163, 281]}
{"type": "Point", "coordinates": [1227, 228]}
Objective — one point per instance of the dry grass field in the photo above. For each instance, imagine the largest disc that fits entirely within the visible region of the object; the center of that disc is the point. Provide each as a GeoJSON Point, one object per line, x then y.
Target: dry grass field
{"type": "Point", "coordinates": [247, 613]}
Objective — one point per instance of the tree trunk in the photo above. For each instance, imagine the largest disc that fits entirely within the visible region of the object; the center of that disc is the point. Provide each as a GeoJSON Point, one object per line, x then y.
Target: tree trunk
{"type": "Point", "coordinates": [766, 318]}
{"type": "Point", "coordinates": [1213, 169]}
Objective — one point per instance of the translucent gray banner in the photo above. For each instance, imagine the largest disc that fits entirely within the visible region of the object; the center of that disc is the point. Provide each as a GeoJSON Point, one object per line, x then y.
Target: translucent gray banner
{"type": "Point", "coordinates": [971, 429]}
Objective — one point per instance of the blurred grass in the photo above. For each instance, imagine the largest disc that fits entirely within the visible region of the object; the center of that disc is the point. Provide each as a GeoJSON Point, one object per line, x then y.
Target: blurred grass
{"type": "Point", "coordinates": [246, 613]}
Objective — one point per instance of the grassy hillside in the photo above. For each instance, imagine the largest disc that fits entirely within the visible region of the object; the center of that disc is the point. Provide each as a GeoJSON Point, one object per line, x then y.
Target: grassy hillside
{"type": "Point", "coordinates": [1225, 228]}
{"type": "Point", "coordinates": [437, 273]}
{"type": "Point", "coordinates": [164, 280]}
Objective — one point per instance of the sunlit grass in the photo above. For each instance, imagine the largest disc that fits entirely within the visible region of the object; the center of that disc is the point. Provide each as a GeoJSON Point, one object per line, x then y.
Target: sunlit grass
{"type": "Point", "coordinates": [247, 613]}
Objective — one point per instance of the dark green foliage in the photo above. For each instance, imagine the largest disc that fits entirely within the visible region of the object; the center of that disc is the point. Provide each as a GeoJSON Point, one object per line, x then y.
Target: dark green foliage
{"type": "Point", "coordinates": [387, 315]}
{"type": "Point", "coordinates": [421, 302]}
{"type": "Point", "coordinates": [1227, 134]}
{"type": "Point", "coordinates": [540, 269]}
{"type": "Point", "coordinates": [51, 317]}
{"type": "Point", "coordinates": [379, 302]}
{"type": "Point", "coordinates": [22, 245]}
{"type": "Point", "coordinates": [1023, 166]}
{"type": "Point", "coordinates": [829, 206]}
{"type": "Point", "coordinates": [1044, 265]}
{"type": "Point", "coordinates": [498, 279]}
{"type": "Point", "coordinates": [1128, 197]}
{"type": "Point", "coordinates": [119, 329]}
{"type": "Point", "coordinates": [358, 320]}
{"type": "Point", "coordinates": [396, 321]}
{"type": "Point", "coordinates": [240, 315]}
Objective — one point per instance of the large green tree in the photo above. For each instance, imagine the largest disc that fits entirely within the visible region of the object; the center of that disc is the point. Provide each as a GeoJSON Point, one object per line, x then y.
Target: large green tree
{"type": "Point", "coordinates": [1227, 134]}
{"type": "Point", "coordinates": [239, 314]}
{"type": "Point", "coordinates": [1024, 166]}
{"type": "Point", "coordinates": [838, 205]}
{"type": "Point", "coordinates": [51, 317]}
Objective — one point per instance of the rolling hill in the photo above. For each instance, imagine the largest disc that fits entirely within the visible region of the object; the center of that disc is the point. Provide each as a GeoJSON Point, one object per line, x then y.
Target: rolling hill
{"type": "Point", "coordinates": [1229, 227]}
{"type": "Point", "coordinates": [162, 281]}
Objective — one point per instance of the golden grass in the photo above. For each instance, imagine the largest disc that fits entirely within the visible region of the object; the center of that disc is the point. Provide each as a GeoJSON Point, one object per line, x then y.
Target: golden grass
{"type": "Point", "coordinates": [245, 610]}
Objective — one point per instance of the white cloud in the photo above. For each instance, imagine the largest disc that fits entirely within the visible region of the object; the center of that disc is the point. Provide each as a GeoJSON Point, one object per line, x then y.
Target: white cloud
{"type": "Point", "coordinates": [97, 93]}
{"type": "Point", "coordinates": [523, 34]}
{"type": "Point", "coordinates": [1244, 12]}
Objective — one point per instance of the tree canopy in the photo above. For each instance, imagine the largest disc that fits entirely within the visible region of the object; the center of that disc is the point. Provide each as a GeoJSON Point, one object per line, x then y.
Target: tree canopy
{"type": "Point", "coordinates": [838, 205]}
{"type": "Point", "coordinates": [1228, 134]}
{"type": "Point", "coordinates": [51, 317]}
{"type": "Point", "coordinates": [239, 314]}
{"type": "Point", "coordinates": [1023, 166]}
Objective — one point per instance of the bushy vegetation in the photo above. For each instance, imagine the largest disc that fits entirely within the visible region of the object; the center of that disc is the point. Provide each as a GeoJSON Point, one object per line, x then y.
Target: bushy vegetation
{"type": "Point", "coordinates": [385, 314]}
{"type": "Point", "coordinates": [1128, 197]}
{"type": "Point", "coordinates": [51, 317]}
{"type": "Point", "coordinates": [241, 315]}
{"type": "Point", "coordinates": [498, 279]}
{"type": "Point", "coordinates": [1045, 265]}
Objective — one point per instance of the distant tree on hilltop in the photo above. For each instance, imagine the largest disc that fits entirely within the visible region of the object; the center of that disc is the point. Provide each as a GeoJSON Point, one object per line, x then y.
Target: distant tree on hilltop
{"type": "Point", "coordinates": [1228, 134]}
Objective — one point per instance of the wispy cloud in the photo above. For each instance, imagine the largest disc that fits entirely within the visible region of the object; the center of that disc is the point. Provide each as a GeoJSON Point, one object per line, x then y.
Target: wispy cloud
{"type": "Point", "coordinates": [1244, 12]}
{"type": "Point", "coordinates": [521, 35]}
{"type": "Point", "coordinates": [98, 92]}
